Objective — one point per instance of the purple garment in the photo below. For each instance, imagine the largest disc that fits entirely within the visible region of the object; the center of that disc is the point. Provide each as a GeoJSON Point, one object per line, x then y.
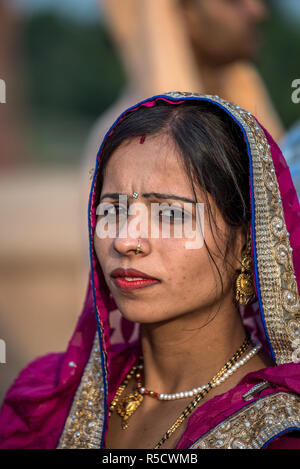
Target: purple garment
{"type": "Point", "coordinates": [38, 403]}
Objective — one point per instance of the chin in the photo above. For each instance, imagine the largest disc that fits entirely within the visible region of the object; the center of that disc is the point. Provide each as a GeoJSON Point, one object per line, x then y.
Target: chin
{"type": "Point", "coordinates": [142, 315]}
{"type": "Point", "coordinates": [242, 50]}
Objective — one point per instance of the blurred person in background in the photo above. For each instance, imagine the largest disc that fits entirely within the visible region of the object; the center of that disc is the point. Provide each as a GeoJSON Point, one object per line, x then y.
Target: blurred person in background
{"type": "Point", "coordinates": [225, 37]}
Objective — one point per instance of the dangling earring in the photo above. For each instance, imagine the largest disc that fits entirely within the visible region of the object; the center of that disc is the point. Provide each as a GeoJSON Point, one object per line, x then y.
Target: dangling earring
{"type": "Point", "coordinates": [245, 291]}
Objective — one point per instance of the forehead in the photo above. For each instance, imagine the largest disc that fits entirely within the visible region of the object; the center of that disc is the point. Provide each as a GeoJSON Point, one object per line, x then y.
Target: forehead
{"type": "Point", "coordinates": [153, 164]}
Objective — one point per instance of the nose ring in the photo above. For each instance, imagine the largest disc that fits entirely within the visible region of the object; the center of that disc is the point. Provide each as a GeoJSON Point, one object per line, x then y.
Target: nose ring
{"type": "Point", "coordinates": [138, 248]}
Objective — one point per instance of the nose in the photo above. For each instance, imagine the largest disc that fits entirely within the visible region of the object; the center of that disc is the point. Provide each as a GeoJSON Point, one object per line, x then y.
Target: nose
{"type": "Point", "coordinates": [127, 244]}
{"type": "Point", "coordinates": [132, 246]}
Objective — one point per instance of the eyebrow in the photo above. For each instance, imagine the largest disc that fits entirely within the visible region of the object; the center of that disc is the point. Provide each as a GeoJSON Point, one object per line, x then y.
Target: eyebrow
{"type": "Point", "coordinates": [157, 195]}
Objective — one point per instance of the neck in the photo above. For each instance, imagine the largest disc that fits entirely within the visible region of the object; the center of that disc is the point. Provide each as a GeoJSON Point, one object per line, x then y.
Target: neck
{"type": "Point", "coordinates": [179, 355]}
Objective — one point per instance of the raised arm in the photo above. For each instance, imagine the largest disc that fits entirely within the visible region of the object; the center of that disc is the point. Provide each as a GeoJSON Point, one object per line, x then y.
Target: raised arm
{"type": "Point", "coordinates": [154, 44]}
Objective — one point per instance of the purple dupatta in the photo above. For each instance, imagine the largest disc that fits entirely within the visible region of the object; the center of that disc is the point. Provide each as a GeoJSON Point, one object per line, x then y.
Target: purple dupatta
{"type": "Point", "coordinates": [41, 408]}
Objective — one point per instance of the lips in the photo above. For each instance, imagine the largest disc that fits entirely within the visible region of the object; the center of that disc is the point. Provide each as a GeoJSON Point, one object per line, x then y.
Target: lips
{"type": "Point", "coordinates": [130, 279]}
{"type": "Point", "coordinates": [132, 273]}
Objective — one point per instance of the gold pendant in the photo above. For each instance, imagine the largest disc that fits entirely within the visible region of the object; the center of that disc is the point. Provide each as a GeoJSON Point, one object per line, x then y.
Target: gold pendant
{"type": "Point", "coordinates": [128, 405]}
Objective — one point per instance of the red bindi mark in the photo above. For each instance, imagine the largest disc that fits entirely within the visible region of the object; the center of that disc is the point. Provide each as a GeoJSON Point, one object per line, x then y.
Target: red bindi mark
{"type": "Point", "coordinates": [143, 138]}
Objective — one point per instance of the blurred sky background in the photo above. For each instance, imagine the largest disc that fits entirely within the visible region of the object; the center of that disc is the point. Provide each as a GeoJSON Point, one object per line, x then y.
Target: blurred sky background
{"type": "Point", "coordinates": [88, 9]}
{"type": "Point", "coordinates": [83, 10]}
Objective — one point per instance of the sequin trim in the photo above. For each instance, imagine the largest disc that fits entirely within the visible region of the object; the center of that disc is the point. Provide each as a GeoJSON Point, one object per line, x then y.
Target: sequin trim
{"type": "Point", "coordinates": [84, 425]}
{"type": "Point", "coordinates": [254, 425]}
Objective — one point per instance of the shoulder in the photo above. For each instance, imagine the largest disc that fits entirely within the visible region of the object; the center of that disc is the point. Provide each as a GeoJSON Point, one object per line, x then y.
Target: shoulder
{"type": "Point", "coordinates": [267, 422]}
{"type": "Point", "coordinates": [274, 420]}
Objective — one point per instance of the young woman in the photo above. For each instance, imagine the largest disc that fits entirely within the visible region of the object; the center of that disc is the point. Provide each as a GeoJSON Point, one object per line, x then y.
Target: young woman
{"type": "Point", "coordinates": [189, 333]}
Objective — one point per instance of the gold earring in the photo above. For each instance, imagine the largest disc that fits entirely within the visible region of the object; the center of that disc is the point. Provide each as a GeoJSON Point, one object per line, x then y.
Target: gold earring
{"type": "Point", "coordinates": [245, 291]}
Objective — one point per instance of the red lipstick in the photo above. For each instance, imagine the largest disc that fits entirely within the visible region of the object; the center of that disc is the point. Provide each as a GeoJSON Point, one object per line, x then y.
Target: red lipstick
{"type": "Point", "coordinates": [131, 279]}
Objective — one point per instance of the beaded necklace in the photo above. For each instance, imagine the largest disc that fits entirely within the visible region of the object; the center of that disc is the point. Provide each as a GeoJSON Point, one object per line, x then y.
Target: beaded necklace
{"type": "Point", "coordinates": [129, 404]}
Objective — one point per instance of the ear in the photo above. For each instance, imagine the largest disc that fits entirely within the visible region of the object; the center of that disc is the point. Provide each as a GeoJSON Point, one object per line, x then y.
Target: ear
{"type": "Point", "coordinates": [247, 236]}
{"type": "Point", "coordinates": [241, 244]}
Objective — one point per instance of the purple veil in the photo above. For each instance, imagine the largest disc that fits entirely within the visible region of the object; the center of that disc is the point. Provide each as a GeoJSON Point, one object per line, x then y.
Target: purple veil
{"type": "Point", "coordinates": [61, 400]}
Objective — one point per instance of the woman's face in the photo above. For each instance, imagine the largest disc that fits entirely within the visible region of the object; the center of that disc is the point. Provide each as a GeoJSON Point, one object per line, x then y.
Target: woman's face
{"type": "Point", "coordinates": [187, 280]}
{"type": "Point", "coordinates": [224, 31]}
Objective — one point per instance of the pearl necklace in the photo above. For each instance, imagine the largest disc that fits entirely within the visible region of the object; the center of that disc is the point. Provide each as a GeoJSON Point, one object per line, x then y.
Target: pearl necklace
{"type": "Point", "coordinates": [129, 404]}
{"type": "Point", "coordinates": [217, 380]}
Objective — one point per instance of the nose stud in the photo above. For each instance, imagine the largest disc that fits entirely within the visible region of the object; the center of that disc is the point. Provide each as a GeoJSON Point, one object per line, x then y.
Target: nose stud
{"type": "Point", "coordinates": [135, 195]}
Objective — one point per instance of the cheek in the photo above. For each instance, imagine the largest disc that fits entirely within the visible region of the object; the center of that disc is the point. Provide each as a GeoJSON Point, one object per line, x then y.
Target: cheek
{"type": "Point", "coordinates": [188, 268]}
{"type": "Point", "coordinates": [193, 276]}
{"type": "Point", "coordinates": [102, 247]}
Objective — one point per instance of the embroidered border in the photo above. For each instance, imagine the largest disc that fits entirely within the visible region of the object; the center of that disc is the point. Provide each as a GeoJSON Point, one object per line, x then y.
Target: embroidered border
{"type": "Point", "coordinates": [254, 425]}
{"type": "Point", "coordinates": [84, 425]}
{"type": "Point", "coordinates": [277, 280]}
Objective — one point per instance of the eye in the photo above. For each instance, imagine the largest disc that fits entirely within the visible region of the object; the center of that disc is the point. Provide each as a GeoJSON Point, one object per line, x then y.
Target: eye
{"type": "Point", "coordinates": [173, 214]}
{"type": "Point", "coordinates": [115, 210]}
